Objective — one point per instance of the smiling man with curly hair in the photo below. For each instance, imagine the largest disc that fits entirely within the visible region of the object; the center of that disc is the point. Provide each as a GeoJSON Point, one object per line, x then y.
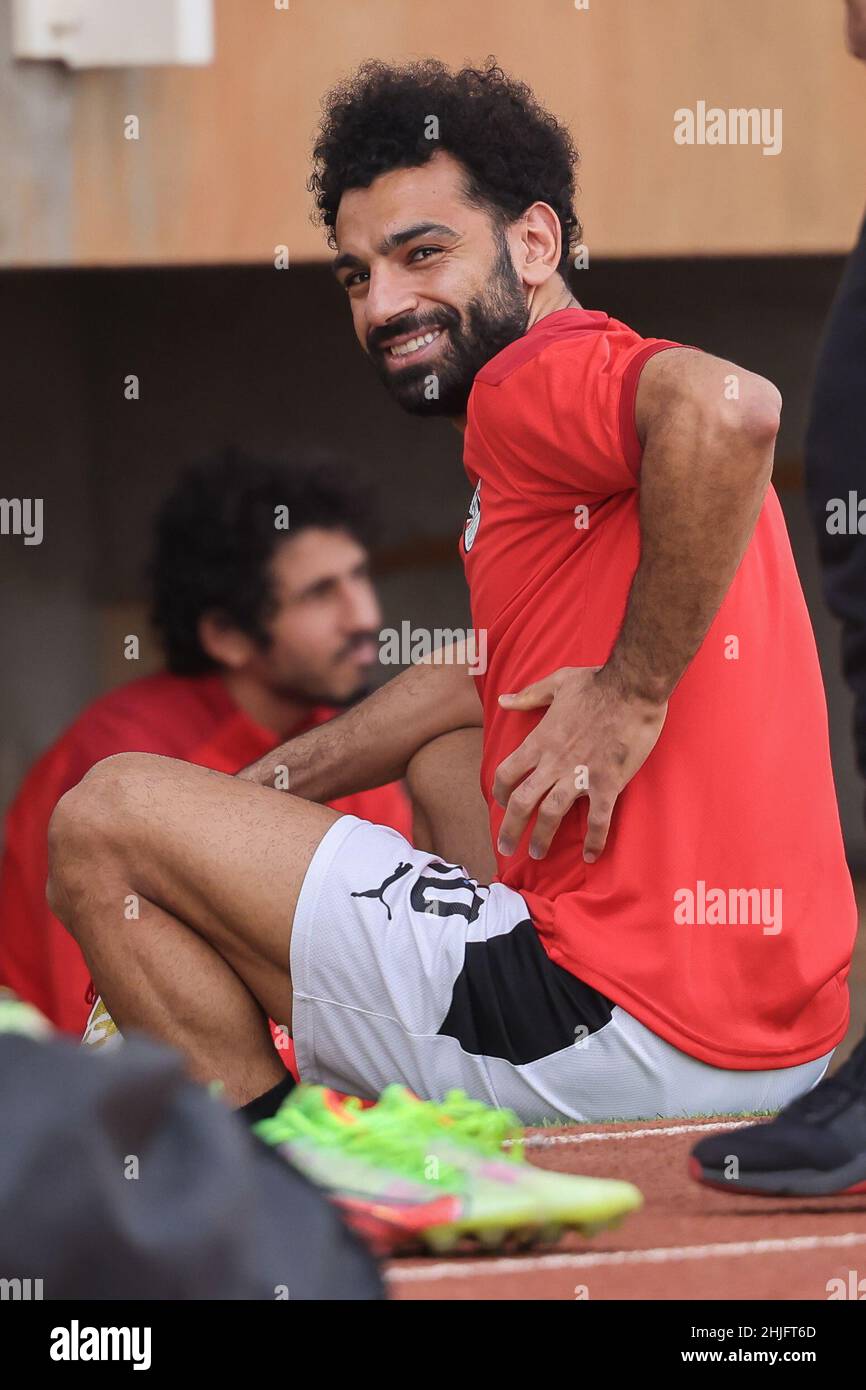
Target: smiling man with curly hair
{"type": "Point", "coordinates": [649, 733]}
{"type": "Point", "coordinates": [385, 119]}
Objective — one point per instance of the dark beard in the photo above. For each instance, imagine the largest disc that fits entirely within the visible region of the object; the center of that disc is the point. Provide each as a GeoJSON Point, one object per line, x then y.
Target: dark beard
{"type": "Point", "coordinates": [494, 319]}
{"type": "Point", "coordinates": [313, 696]}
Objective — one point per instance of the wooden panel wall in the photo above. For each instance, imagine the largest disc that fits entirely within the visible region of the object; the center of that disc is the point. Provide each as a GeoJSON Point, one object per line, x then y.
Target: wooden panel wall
{"type": "Point", "coordinates": [219, 171]}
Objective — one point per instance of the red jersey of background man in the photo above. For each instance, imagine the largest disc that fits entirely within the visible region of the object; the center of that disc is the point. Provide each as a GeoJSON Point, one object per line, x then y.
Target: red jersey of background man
{"type": "Point", "coordinates": [188, 717]}
{"type": "Point", "coordinates": [721, 913]}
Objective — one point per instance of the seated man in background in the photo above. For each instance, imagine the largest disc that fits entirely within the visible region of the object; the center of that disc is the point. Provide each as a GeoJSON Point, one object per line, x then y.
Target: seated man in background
{"type": "Point", "coordinates": [267, 632]}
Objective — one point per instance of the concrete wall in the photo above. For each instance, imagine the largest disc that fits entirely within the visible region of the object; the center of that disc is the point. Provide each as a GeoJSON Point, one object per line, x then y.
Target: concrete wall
{"type": "Point", "coordinates": [48, 623]}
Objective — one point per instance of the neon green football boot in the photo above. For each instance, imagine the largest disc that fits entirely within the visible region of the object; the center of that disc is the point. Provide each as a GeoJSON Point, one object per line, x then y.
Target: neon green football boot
{"type": "Point", "coordinates": [566, 1200]}
{"type": "Point", "coordinates": [17, 1016]}
{"type": "Point", "coordinates": [406, 1171]}
{"type": "Point", "coordinates": [389, 1181]}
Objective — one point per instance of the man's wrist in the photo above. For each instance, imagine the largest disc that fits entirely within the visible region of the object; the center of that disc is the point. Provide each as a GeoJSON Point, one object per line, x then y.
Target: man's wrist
{"type": "Point", "coordinates": [277, 771]}
{"type": "Point", "coordinates": [260, 773]}
{"type": "Point", "coordinates": [633, 684]}
{"type": "Point", "coordinates": [248, 774]}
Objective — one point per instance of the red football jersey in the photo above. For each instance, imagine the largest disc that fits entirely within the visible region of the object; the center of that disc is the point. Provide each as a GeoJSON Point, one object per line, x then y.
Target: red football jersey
{"type": "Point", "coordinates": [721, 913]}
{"type": "Point", "coordinates": [186, 717]}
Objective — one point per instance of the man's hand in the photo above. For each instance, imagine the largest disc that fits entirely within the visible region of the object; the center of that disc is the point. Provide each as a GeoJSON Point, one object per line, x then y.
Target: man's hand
{"type": "Point", "coordinates": [591, 742]}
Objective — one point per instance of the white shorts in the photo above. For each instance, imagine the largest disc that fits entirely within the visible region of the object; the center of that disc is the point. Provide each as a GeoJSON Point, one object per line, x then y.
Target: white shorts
{"type": "Point", "coordinates": [405, 969]}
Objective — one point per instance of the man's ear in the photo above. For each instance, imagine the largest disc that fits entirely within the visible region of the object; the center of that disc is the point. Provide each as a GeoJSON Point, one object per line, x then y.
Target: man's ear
{"type": "Point", "coordinates": [539, 244]}
{"type": "Point", "coordinates": [224, 643]}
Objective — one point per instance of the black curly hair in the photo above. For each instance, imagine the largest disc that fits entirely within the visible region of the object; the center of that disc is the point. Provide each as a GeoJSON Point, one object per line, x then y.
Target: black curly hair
{"type": "Point", "coordinates": [514, 151]}
{"type": "Point", "coordinates": [215, 535]}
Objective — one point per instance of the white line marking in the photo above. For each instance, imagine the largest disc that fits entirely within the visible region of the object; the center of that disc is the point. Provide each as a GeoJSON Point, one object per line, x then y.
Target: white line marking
{"type": "Point", "coordinates": [538, 1141]}
{"type": "Point", "coordinates": [460, 1269]}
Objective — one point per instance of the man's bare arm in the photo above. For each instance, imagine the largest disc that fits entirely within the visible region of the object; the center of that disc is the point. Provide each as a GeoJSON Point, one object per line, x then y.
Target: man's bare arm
{"type": "Point", "coordinates": [373, 742]}
{"type": "Point", "coordinates": [709, 430]}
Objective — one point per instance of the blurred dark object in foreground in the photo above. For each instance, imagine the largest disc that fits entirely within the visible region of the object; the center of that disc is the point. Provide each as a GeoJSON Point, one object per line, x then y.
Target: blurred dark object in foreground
{"type": "Point", "coordinates": [121, 1179]}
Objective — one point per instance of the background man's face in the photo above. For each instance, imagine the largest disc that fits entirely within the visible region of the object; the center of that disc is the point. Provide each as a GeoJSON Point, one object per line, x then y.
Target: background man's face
{"type": "Point", "coordinates": [324, 631]}
{"type": "Point", "coordinates": [431, 284]}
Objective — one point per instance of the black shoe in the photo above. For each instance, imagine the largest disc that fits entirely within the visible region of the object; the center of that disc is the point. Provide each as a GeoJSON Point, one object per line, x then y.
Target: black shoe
{"type": "Point", "coordinates": [816, 1146]}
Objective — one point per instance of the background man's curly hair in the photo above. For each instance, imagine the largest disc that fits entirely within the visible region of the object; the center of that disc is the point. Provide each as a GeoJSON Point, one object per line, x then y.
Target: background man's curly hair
{"type": "Point", "coordinates": [215, 535]}
{"type": "Point", "coordinates": [515, 153]}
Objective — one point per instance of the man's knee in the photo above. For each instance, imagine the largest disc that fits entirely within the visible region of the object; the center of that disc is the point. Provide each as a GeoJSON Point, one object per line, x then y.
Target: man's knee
{"type": "Point", "coordinates": [85, 821]}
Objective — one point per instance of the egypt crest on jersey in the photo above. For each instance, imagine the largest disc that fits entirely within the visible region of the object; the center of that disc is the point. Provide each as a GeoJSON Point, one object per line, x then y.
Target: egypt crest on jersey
{"type": "Point", "coordinates": [473, 521]}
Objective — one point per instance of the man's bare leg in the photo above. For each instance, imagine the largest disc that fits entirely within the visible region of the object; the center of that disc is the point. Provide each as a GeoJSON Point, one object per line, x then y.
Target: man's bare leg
{"type": "Point", "coordinates": [450, 814]}
{"type": "Point", "coordinates": [180, 886]}
{"type": "Point", "coordinates": [213, 866]}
